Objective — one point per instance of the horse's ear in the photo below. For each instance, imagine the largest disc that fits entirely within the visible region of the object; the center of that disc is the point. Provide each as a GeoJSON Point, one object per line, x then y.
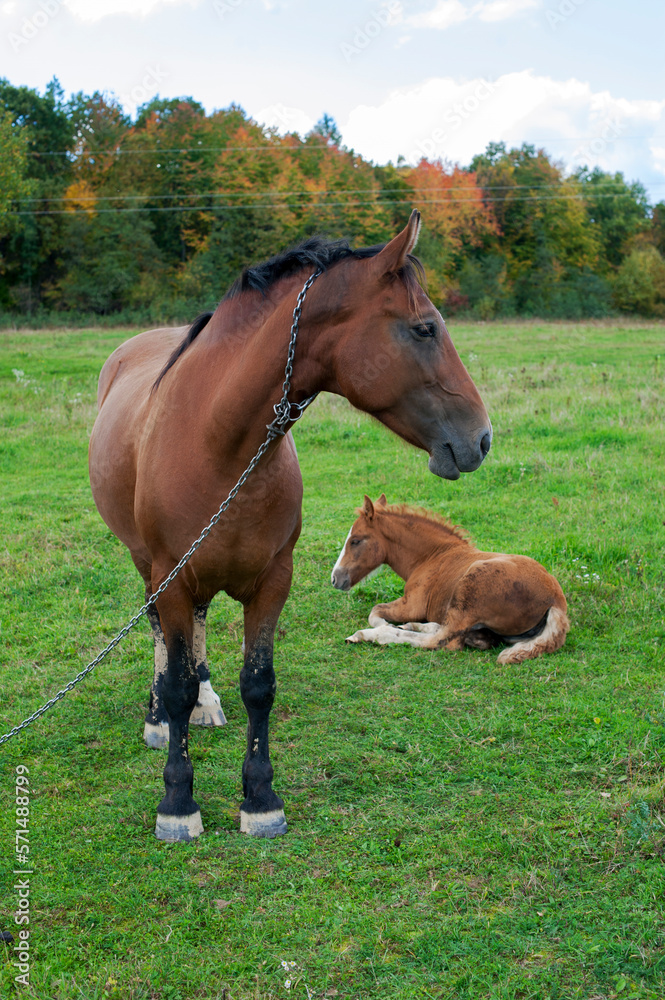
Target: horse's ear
{"type": "Point", "coordinates": [394, 254]}
{"type": "Point", "coordinates": [381, 502]}
{"type": "Point", "coordinates": [368, 508]}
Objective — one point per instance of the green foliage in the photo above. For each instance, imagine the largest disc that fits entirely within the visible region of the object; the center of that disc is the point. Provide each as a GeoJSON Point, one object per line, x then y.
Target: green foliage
{"type": "Point", "coordinates": [483, 281]}
{"type": "Point", "coordinates": [14, 183]}
{"type": "Point", "coordinates": [107, 262]}
{"type": "Point", "coordinates": [617, 212]}
{"type": "Point", "coordinates": [457, 830]}
{"type": "Point", "coordinates": [658, 227]}
{"type": "Point", "coordinates": [327, 127]}
{"type": "Point", "coordinates": [209, 194]}
{"type": "Point", "coordinates": [639, 285]}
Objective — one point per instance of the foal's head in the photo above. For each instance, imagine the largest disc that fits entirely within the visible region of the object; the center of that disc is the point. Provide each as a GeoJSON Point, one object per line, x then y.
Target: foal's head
{"type": "Point", "coordinates": [364, 548]}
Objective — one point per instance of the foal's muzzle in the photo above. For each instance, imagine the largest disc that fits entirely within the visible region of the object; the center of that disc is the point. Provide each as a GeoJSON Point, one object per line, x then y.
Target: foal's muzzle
{"type": "Point", "coordinates": [340, 579]}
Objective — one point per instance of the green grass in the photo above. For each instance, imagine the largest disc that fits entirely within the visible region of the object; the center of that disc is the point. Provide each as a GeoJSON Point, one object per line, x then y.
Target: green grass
{"type": "Point", "coordinates": [456, 829]}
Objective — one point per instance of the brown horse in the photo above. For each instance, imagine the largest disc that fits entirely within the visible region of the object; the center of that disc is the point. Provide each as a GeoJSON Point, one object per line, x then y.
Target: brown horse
{"type": "Point", "coordinates": [464, 597]}
{"type": "Point", "coordinates": [181, 413]}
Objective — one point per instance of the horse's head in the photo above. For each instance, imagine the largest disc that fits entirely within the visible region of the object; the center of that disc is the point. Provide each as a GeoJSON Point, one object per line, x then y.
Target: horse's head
{"type": "Point", "coordinates": [394, 359]}
{"type": "Point", "coordinates": [363, 550]}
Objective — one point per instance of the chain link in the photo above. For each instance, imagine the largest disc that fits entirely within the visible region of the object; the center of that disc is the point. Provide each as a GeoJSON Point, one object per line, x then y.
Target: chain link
{"type": "Point", "coordinates": [286, 414]}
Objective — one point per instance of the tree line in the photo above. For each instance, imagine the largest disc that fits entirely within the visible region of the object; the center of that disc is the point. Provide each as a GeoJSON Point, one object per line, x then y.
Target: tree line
{"type": "Point", "coordinates": [151, 218]}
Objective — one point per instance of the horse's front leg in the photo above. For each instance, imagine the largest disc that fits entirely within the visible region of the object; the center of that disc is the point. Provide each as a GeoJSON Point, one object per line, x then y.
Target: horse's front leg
{"type": "Point", "coordinates": [262, 812]}
{"type": "Point", "coordinates": [178, 815]}
{"type": "Point", "coordinates": [208, 710]}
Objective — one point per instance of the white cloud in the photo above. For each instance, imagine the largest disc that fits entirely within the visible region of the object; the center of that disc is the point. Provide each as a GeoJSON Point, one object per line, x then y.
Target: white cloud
{"type": "Point", "coordinates": [95, 10]}
{"type": "Point", "coordinates": [445, 13]}
{"type": "Point", "coordinates": [658, 153]}
{"type": "Point", "coordinates": [500, 10]}
{"type": "Point", "coordinates": [452, 119]}
{"type": "Point", "coordinates": [284, 119]}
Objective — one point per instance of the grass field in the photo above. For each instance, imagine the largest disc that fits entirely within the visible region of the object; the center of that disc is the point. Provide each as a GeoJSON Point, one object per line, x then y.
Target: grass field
{"type": "Point", "coordinates": [456, 829]}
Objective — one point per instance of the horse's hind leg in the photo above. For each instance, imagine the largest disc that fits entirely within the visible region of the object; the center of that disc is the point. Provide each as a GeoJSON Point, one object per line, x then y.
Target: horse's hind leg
{"type": "Point", "coordinates": [178, 815]}
{"type": "Point", "coordinates": [208, 710]}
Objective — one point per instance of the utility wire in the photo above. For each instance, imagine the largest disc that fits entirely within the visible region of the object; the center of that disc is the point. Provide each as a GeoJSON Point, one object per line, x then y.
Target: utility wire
{"type": "Point", "coordinates": [119, 151]}
{"type": "Point", "coordinates": [276, 192]}
{"type": "Point", "coordinates": [309, 204]}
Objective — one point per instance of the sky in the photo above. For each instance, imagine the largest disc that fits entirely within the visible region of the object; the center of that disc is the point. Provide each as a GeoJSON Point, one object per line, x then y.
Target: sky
{"type": "Point", "coordinates": [585, 79]}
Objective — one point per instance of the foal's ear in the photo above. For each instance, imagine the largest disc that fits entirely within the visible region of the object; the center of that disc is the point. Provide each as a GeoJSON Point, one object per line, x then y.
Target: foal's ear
{"type": "Point", "coordinates": [394, 254]}
{"type": "Point", "coordinates": [381, 502]}
{"type": "Point", "coordinates": [368, 508]}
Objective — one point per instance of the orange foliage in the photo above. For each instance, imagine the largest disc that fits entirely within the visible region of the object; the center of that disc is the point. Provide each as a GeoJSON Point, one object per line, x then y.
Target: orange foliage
{"type": "Point", "coordinates": [452, 203]}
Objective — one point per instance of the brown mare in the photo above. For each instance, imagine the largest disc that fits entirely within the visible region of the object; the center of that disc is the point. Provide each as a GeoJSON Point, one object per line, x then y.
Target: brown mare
{"type": "Point", "coordinates": [465, 597]}
{"type": "Point", "coordinates": [181, 413]}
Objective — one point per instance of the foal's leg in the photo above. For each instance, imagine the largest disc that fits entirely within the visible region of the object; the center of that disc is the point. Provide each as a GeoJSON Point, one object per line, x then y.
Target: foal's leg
{"type": "Point", "coordinates": [208, 710]}
{"type": "Point", "coordinates": [262, 812]}
{"type": "Point", "coordinates": [395, 611]}
{"type": "Point", "coordinates": [178, 815]}
{"type": "Point", "coordinates": [401, 610]}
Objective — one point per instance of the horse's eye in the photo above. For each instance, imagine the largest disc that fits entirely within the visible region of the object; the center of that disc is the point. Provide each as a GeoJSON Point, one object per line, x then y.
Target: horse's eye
{"type": "Point", "coordinates": [354, 541]}
{"type": "Point", "coordinates": [424, 330]}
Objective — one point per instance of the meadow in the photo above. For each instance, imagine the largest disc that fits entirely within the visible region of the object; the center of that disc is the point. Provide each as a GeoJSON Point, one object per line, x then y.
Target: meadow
{"type": "Point", "coordinates": [457, 829]}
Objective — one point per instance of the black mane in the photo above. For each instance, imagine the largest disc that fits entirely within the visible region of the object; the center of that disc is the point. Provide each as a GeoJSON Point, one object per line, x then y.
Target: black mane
{"type": "Point", "coordinates": [316, 253]}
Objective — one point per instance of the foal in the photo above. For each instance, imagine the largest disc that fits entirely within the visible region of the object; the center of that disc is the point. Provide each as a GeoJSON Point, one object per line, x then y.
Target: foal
{"type": "Point", "coordinates": [465, 597]}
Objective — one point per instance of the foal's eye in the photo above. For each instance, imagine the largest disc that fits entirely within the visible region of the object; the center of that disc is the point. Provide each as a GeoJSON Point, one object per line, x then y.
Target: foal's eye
{"type": "Point", "coordinates": [424, 330]}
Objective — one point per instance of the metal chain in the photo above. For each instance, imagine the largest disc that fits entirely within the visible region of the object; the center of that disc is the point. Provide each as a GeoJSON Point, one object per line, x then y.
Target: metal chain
{"type": "Point", "coordinates": [286, 413]}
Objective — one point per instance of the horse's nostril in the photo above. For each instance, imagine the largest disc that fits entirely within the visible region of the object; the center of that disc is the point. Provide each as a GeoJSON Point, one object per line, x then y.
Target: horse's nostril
{"type": "Point", "coordinates": [485, 443]}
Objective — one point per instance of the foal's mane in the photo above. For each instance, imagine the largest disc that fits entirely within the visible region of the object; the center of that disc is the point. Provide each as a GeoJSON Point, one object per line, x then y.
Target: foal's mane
{"type": "Point", "coordinates": [428, 517]}
{"type": "Point", "coordinates": [316, 253]}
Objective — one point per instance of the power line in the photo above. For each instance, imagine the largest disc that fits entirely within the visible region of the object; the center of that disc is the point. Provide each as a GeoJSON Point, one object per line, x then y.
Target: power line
{"type": "Point", "coordinates": [303, 193]}
{"type": "Point", "coordinates": [119, 151]}
{"type": "Point", "coordinates": [309, 204]}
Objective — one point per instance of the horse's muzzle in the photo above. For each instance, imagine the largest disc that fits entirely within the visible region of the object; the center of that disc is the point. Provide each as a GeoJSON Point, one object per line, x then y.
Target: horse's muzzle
{"type": "Point", "coordinates": [448, 461]}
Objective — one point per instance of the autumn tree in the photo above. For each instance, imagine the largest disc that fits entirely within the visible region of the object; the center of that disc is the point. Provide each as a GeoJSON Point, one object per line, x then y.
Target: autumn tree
{"type": "Point", "coordinates": [457, 221]}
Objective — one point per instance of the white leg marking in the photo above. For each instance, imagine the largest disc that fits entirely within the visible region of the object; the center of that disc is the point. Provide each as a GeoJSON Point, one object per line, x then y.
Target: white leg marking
{"type": "Point", "coordinates": [429, 628]}
{"type": "Point", "coordinates": [267, 824]}
{"type": "Point", "coordinates": [156, 736]}
{"type": "Point", "coordinates": [386, 634]}
{"type": "Point", "coordinates": [208, 710]}
{"type": "Point", "coordinates": [178, 827]}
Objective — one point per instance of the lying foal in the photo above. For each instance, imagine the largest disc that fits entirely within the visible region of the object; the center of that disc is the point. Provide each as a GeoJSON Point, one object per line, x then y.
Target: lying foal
{"type": "Point", "coordinates": [464, 597]}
